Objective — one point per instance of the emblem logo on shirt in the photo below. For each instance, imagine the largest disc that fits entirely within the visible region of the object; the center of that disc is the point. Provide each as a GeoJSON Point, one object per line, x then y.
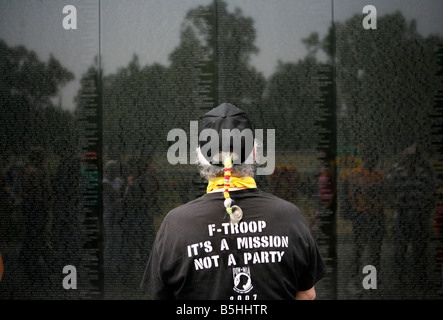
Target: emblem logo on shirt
{"type": "Point", "coordinates": [242, 279]}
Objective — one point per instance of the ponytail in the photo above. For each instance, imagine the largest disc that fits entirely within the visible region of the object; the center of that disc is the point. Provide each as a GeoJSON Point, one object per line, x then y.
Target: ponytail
{"type": "Point", "coordinates": [235, 212]}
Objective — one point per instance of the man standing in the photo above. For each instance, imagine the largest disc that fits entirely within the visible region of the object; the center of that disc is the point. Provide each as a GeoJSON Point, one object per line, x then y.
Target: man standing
{"type": "Point", "coordinates": [236, 241]}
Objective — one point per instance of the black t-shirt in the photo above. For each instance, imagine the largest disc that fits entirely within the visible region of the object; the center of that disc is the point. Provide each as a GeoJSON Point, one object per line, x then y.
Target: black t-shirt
{"type": "Point", "coordinates": [199, 255]}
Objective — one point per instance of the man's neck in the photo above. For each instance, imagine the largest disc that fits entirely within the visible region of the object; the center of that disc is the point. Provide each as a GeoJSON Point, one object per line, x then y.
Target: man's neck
{"type": "Point", "coordinates": [230, 189]}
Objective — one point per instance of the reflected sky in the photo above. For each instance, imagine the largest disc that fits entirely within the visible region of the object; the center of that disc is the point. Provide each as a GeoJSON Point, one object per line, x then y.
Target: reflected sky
{"type": "Point", "coordinates": [151, 29]}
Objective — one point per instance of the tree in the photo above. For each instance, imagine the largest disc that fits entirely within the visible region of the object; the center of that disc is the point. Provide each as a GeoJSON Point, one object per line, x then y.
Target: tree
{"type": "Point", "coordinates": [135, 104]}
{"type": "Point", "coordinates": [299, 100]}
{"type": "Point", "coordinates": [27, 85]}
{"type": "Point", "coordinates": [238, 82]}
{"type": "Point", "coordinates": [386, 82]}
{"type": "Point", "coordinates": [222, 42]}
{"type": "Point", "coordinates": [141, 104]}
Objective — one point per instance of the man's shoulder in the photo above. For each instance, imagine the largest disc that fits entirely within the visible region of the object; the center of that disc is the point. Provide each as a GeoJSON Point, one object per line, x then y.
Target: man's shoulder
{"type": "Point", "coordinates": [189, 208]}
{"type": "Point", "coordinates": [256, 199]}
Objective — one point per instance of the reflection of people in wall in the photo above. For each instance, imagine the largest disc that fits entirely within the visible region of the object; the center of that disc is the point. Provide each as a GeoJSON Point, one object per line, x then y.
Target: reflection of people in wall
{"type": "Point", "coordinates": [438, 229]}
{"type": "Point", "coordinates": [284, 182]}
{"type": "Point", "coordinates": [35, 210]}
{"type": "Point", "coordinates": [236, 241]}
{"type": "Point", "coordinates": [346, 163]}
{"type": "Point", "coordinates": [365, 185]}
{"type": "Point", "coordinates": [415, 189]}
{"type": "Point", "coordinates": [112, 215]}
{"type": "Point", "coordinates": [326, 198]}
{"type": "Point", "coordinates": [326, 189]}
{"type": "Point", "coordinates": [139, 207]}
{"type": "Point", "coordinates": [66, 231]}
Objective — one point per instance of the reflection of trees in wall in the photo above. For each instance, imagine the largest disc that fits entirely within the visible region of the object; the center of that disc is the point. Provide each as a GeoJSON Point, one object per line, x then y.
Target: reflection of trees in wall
{"type": "Point", "coordinates": [28, 115]}
{"type": "Point", "coordinates": [386, 82]}
{"type": "Point", "coordinates": [142, 104]}
{"type": "Point", "coordinates": [298, 98]}
{"type": "Point", "coordinates": [211, 65]}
